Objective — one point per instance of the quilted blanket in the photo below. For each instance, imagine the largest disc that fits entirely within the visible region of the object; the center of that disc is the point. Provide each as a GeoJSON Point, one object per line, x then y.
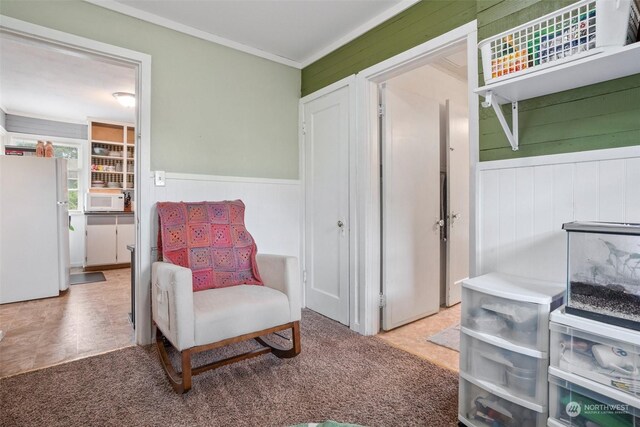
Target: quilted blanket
{"type": "Point", "coordinates": [209, 238]}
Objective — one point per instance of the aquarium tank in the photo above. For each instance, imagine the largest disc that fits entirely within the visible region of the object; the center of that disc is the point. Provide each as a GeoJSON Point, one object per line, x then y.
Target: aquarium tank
{"type": "Point", "coordinates": [603, 272]}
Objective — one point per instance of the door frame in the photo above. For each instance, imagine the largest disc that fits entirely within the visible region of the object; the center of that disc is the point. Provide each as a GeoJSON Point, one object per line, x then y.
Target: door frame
{"type": "Point", "coordinates": [142, 64]}
{"type": "Point", "coordinates": [350, 83]}
{"type": "Point", "coordinates": [367, 224]}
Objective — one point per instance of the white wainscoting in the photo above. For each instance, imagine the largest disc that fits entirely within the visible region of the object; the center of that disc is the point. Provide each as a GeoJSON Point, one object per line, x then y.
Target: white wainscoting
{"type": "Point", "coordinates": [272, 213]}
{"type": "Point", "coordinates": [523, 204]}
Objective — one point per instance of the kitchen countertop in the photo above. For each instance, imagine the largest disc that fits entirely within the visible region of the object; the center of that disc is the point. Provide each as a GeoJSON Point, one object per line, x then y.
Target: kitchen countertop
{"type": "Point", "coordinates": [120, 213]}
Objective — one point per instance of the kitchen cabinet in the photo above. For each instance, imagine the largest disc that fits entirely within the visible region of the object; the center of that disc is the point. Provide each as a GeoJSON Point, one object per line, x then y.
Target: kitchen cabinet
{"type": "Point", "coordinates": [107, 237]}
{"type": "Point", "coordinates": [111, 156]}
{"type": "Point", "coordinates": [125, 235]}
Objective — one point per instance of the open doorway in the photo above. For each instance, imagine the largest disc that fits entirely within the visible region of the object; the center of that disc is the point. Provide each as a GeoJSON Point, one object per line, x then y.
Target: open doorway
{"type": "Point", "coordinates": [425, 187]}
{"type": "Point", "coordinates": [52, 94]}
{"type": "Point", "coordinates": [424, 146]}
{"type": "Point", "coordinates": [370, 299]}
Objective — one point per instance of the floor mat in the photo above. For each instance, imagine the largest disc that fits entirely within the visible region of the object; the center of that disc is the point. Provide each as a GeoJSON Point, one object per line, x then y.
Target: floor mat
{"type": "Point", "coordinates": [449, 338]}
{"type": "Point", "coordinates": [80, 278]}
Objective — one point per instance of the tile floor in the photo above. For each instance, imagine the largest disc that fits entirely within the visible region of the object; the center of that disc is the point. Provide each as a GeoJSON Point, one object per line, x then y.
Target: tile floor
{"type": "Point", "coordinates": [87, 319]}
{"type": "Point", "coordinates": [413, 337]}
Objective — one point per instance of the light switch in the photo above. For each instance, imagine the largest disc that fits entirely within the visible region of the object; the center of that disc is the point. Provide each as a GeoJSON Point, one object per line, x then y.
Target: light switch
{"type": "Point", "coordinates": [159, 178]}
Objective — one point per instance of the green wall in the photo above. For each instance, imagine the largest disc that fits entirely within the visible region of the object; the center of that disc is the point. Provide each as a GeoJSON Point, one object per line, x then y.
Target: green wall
{"type": "Point", "coordinates": [421, 22]}
{"type": "Point", "coordinates": [214, 110]}
{"type": "Point", "coordinates": [605, 115]}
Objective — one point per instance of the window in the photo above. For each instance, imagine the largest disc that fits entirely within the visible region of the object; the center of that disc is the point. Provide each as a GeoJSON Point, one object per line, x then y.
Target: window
{"type": "Point", "coordinates": [72, 150]}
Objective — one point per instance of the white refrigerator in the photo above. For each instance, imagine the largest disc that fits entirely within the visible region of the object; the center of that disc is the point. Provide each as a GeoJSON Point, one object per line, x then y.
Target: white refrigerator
{"type": "Point", "coordinates": [34, 228]}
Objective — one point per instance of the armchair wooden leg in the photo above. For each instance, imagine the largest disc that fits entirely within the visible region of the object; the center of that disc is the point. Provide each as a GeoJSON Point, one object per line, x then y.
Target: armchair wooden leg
{"type": "Point", "coordinates": [181, 383]}
{"type": "Point", "coordinates": [186, 370]}
{"type": "Point", "coordinates": [295, 332]}
{"type": "Point", "coordinates": [282, 352]}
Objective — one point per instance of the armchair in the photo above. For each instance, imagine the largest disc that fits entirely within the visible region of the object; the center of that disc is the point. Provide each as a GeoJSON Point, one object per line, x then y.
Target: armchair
{"type": "Point", "coordinates": [199, 321]}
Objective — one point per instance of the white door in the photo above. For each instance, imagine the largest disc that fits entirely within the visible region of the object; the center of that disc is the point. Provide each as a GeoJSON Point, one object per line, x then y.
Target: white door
{"type": "Point", "coordinates": [410, 207]}
{"type": "Point", "coordinates": [458, 197]}
{"type": "Point", "coordinates": [326, 153]}
{"type": "Point", "coordinates": [62, 201]}
{"type": "Point", "coordinates": [101, 240]}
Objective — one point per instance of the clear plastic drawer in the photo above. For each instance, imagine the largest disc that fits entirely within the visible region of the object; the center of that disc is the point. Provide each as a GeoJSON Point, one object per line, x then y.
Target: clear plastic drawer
{"type": "Point", "coordinates": [525, 324]}
{"type": "Point", "coordinates": [603, 359]}
{"type": "Point", "coordinates": [514, 373]}
{"type": "Point", "coordinates": [481, 408]}
{"type": "Point", "coordinates": [571, 404]}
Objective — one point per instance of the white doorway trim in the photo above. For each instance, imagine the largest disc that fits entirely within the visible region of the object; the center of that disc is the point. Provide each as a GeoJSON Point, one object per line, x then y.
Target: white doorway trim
{"type": "Point", "coordinates": [368, 160]}
{"type": "Point", "coordinates": [350, 83]}
{"type": "Point", "coordinates": [142, 63]}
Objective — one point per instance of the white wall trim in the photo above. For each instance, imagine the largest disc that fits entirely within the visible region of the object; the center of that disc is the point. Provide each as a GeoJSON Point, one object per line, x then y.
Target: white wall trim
{"type": "Point", "coordinates": [349, 80]}
{"type": "Point", "coordinates": [380, 70]}
{"type": "Point", "coordinates": [357, 32]}
{"type": "Point", "coordinates": [221, 178]}
{"type": "Point", "coordinates": [186, 29]}
{"type": "Point", "coordinates": [554, 159]}
{"type": "Point", "coordinates": [142, 63]}
{"type": "Point", "coordinates": [369, 158]}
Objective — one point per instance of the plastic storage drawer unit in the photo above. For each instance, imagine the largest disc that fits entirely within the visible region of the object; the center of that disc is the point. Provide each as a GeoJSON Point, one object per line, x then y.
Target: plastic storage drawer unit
{"type": "Point", "coordinates": [513, 309]}
{"type": "Point", "coordinates": [513, 373]}
{"type": "Point", "coordinates": [575, 402]}
{"type": "Point", "coordinates": [481, 408]}
{"type": "Point", "coordinates": [606, 354]}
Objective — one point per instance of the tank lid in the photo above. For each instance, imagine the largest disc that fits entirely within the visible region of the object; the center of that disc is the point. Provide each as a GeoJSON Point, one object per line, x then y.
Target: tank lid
{"type": "Point", "coordinates": [602, 227]}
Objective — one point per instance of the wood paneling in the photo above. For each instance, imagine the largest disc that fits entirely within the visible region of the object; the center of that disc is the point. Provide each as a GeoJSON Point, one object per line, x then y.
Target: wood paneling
{"type": "Point", "coordinates": [522, 210]}
{"type": "Point", "coordinates": [423, 21]}
{"type": "Point", "coordinates": [590, 118]}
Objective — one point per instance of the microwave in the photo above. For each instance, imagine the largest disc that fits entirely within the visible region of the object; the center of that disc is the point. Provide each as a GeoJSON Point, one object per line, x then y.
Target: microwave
{"type": "Point", "coordinates": [103, 202]}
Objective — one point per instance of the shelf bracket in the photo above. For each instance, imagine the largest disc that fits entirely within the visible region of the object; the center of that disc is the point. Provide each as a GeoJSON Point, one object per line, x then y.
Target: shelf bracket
{"type": "Point", "coordinates": [512, 134]}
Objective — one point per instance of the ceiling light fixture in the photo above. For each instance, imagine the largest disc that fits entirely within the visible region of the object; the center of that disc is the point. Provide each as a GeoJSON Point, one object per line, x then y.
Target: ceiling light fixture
{"type": "Point", "coordinates": [125, 99]}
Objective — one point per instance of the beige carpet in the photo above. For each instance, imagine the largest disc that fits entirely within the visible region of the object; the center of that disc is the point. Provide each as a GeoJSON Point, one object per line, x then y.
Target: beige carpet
{"type": "Point", "coordinates": [339, 375]}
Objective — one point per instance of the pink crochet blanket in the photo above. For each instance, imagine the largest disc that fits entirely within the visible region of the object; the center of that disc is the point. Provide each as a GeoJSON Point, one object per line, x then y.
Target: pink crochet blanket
{"type": "Point", "coordinates": [210, 238]}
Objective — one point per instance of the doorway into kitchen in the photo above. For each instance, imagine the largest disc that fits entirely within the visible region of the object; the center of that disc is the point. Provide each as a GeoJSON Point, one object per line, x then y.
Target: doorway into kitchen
{"type": "Point", "coordinates": [66, 104]}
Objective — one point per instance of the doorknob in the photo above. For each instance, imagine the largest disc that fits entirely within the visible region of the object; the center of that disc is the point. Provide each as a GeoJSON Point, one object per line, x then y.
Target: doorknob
{"type": "Point", "coordinates": [340, 224]}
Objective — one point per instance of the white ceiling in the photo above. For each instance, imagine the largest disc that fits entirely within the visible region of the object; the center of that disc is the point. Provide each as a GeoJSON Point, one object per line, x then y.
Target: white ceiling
{"type": "Point", "coordinates": [40, 80]}
{"type": "Point", "coordinates": [295, 32]}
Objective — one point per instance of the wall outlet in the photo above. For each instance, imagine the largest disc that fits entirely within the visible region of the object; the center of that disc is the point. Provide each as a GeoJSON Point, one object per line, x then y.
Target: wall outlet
{"type": "Point", "coordinates": [159, 178]}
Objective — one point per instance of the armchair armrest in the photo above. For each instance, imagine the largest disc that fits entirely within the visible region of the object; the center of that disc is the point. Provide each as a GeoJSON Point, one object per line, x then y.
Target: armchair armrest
{"type": "Point", "coordinates": [282, 273]}
{"type": "Point", "coordinates": [172, 303]}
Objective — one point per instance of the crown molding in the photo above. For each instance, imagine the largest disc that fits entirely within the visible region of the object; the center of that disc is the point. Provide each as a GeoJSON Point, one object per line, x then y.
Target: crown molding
{"type": "Point", "coordinates": [185, 29]}
{"type": "Point", "coordinates": [357, 32]}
